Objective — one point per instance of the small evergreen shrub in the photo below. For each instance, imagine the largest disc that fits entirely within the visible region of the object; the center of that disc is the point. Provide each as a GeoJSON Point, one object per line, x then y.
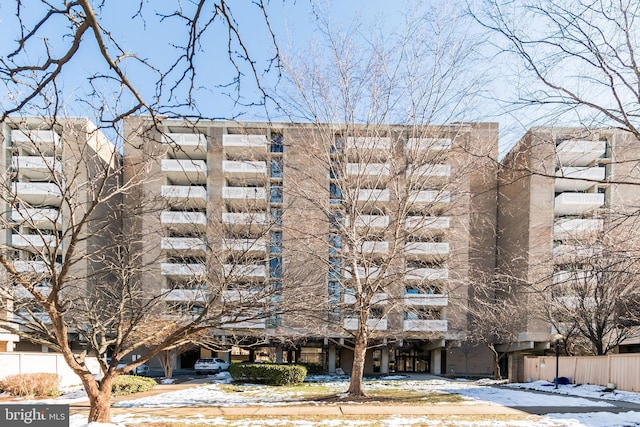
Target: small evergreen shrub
{"type": "Point", "coordinates": [128, 384]}
{"type": "Point", "coordinates": [314, 368]}
{"type": "Point", "coordinates": [40, 384]}
{"type": "Point", "coordinates": [271, 374]}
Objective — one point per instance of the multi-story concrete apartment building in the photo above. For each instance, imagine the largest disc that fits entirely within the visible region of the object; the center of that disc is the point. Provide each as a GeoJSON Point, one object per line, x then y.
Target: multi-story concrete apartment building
{"type": "Point", "coordinates": [50, 173]}
{"type": "Point", "coordinates": [302, 218]}
{"type": "Point", "coordinates": [560, 191]}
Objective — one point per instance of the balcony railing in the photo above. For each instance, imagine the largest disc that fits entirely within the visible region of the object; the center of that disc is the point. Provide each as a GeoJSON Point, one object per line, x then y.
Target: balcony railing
{"type": "Point", "coordinates": [185, 171]}
{"type": "Point", "coordinates": [185, 195]}
{"type": "Point", "coordinates": [248, 171]}
{"type": "Point", "coordinates": [382, 145]}
{"type": "Point", "coordinates": [193, 295]}
{"type": "Point", "coordinates": [244, 296]}
{"type": "Point", "coordinates": [46, 219]}
{"type": "Point", "coordinates": [36, 267]}
{"type": "Point", "coordinates": [36, 168]}
{"type": "Point", "coordinates": [240, 196]}
{"type": "Point", "coordinates": [433, 144]}
{"type": "Point", "coordinates": [426, 249]}
{"type": "Point", "coordinates": [184, 221]}
{"type": "Point", "coordinates": [244, 219]}
{"type": "Point", "coordinates": [577, 203]}
{"type": "Point", "coordinates": [257, 271]}
{"type": "Point", "coordinates": [371, 273]}
{"type": "Point", "coordinates": [572, 252]}
{"type": "Point", "coordinates": [577, 228]}
{"type": "Point", "coordinates": [580, 153]}
{"type": "Point", "coordinates": [245, 145]}
{"type": "Point", "coordinates": [429, 198]}
{"type": "Point", "coordinates": [35, 142]}
{"type": "Point", "coordinates": [379, 298]}
{"type": "Point", "coordinates": [38, 193]}
{"type": "Point", "coordinates": [246, 246]}
{"type": "Point", "coordinates": [415, 224]}
{"type": "Point", "coordinates": [351, 324]}
{"type": "Point", "coordinates": [186, 246]}
{"type": "Point", "coordinates": [426, 274]}
{"type": "Point", "coordinates": [578, 178]}
{"type": "Point", "coordinates": [182, 270]}
{"type": "Point", "coordinates": [429, 172]}
{"type": "Point", "coordinates": [432, 300]}
{"type": "Point", "coordinates": [374, 196]}
{"type": "Point", "coordinates": [368, 172]}
{"type": "Point", "coordinates": [424, 325]}
{"type": "Point", "coordinates": [187, 145]}
{"type": "Point", "coordinates": [33, 242]}
{"type": "Point", "coordinates": [243, 323]}
{"type": "Point", "coordinates": [370, 221]}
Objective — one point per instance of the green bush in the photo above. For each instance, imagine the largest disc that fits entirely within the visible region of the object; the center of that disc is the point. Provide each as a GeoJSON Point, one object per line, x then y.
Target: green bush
{"type": "Point", "coordinates": [268, 373]}
{"type": "Point", "coordinates": [129, 384]}
{"type": "Point", "coordinates": [314, 368]}
{"type": "Point", "coordinates": [40, 384]}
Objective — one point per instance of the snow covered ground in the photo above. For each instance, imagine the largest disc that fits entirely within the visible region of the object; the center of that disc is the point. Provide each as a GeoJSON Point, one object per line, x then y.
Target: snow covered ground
{"type": "Point", "coordinates": [217, 393]}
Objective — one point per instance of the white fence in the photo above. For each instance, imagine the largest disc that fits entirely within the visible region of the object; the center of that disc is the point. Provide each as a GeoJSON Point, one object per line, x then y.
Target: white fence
{"type": "Point", "coordinates": [623, 370]}
{"type": "Point", "coordinates": [12, 363]}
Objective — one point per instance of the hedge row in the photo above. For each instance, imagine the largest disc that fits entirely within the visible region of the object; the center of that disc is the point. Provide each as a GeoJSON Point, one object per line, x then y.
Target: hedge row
{"type": "Point", "coordinates": [128, 384]}
{"type": "Point", "coordinates": [39, 384]}
{"type": "Point", "coordinates": [267, 373]}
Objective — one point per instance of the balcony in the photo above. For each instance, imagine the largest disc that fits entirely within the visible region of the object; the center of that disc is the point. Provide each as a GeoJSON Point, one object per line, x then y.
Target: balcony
{"type": "Point", "coordinates": [246, 246]}
{"type": "Point", "coordinates": [566, 253]}
{"type": "Point", "coordinates": [192, 295]}
{"type": "Point", "coordinates": [426, 274]}
{"type": "Point", "coordinates": [436, 173]}
{"type": "Point", "coordinates": [36, 168]}
{"type": "Point", "coordinates": [38, 193]}
{"type": "Point", "coordinates": [370, 196]}
{"type": "Point", "coordinates": [250, 172]}
{"type": "Point", "coordinates": [36, 142]}
{"type": "Point", "coordinates": [371, 273]}
{"type": "Point", "coordinates": [577, 203]}
{"type": "Point", "coordinates": [378, 299]}
{"type": "Point", "coordinates": [184, 222]}
{"type": "Point", "coordinates": [187, 145]}
{"type": "Point", "coordinates": [417, 224]}
{"type": "Point", "coordinates": [36, 267]}
{"type": "Point", "coordinates": [429, 198]}
{"type": "Point", "coordinates": [432, 144]}
{"type": "Point", "coordinates": [185, 171]}
{"type": "Point", "coordinates": [240, 197]}
{"type": "Point", "coordinates": [243, 323]}
{"type": "Point", "coordinates": [580, 153]}
{"type": "Point", "coordinates": [426, 249]}
{"type": "Point", "coordinates": [578, 178]}
{"type": "Point", "coordinates": [567, 229]}
{"type": "Point", "coordinates": [184, 246]}
{"type": "Point", "coordinates": [185, 195]}
{"type": "Point", "coordinates": [380, 146]}
{"type": "Point", "coordinates": [426, 300]}
{"type": "Point", "coordinates": [244, 295]}
{"type": "Point", "coordinates": [368, 173]}
{"type": "Point", "coordinates": [424, 325]}
{"type": "Point", "coordinates": [244, 220]}
{"type": "Point", "coordinates": [45, 219]}
{"type": "Point", "coordinates": [254, 146]}
{"type": "Point", "coordinates": [181, 270]}
{"type": "Point", "coordinates": [379, 222]}
{"type": "Point", "coordinates": [351, 324]}
{"type": "Point", "coordinates": [578, 276]}
{"type": "Point", "coordinates": [251, 271]}
{"type": "Point", "coordinates": [33, 242]}
{"type": "Point", "coordinates": [370, 247]}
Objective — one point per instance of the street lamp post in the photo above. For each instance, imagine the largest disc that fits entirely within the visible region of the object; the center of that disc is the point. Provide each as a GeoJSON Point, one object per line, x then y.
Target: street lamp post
{"type": "Point", "coordinates": [557, 338]}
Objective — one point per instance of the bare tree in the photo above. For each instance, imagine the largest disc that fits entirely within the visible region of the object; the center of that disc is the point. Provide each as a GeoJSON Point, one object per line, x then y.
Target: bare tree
{"type": "Point", "coordinates": [383, 195]}
{"type": "Point", "coordinates": [577, 61]}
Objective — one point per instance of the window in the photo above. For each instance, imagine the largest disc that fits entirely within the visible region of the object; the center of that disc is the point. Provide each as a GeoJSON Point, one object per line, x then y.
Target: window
{"type": "Point", "coordinates": [375, 313]}
{"type": "Point", "coordinates": [335, 194]}
{"type": "Point", "coordinates": [276, 192]}
{"type": "Point", "coordinates": [276, 167]}
{"type": "Point", "coordinates": [335, 219]}
{"type": "Point", "coordinates": [276, 216]}
{"type": "Point", "coordinates": [335, 243]}
{"type": "Point", "coordinates": [335, 268]}
{"type": "Point", "coordinates": [337, 147]}
{"type": "Point", "coordinates": [276, 242]}
{"type": "Point", "coordinates": [277, 145]}
{"type": "Point", "coordinates": [275, 267]}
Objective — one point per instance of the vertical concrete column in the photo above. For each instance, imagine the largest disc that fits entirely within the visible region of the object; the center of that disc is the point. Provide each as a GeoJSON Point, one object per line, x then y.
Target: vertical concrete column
{"type": "Point", "coordinates": [384, 362]}
{"type": "Point", "coordinates": [279, 354]}
{"type": "Point", "coordinates": [332, 358]}
{"type": "Point", "coordinates": [436, 358]}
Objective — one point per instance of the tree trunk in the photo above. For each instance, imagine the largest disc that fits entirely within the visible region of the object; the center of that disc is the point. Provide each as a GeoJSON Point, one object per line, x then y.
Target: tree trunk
{"type": "Point", "coordinates": [496, 364]}
{"type": "Point", "coordinates": [100, 401]}
{"type": "Point", "coordinates": [359, 353]}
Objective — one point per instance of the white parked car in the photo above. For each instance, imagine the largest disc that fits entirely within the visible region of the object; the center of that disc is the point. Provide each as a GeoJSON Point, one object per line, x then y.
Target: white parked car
{"type": "Point", "coordinates": [210, 365]}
